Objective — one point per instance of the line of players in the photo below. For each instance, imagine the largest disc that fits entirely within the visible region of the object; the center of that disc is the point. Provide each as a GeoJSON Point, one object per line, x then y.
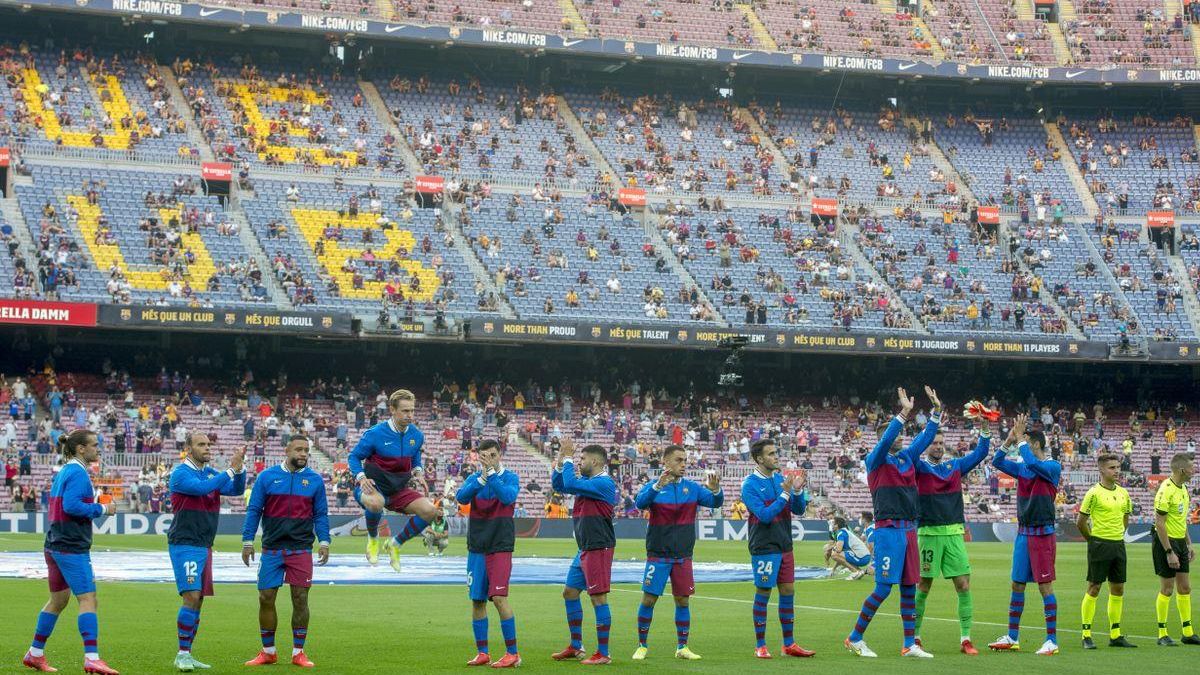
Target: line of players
{"type": "Point", "coordinates": [918, 535]}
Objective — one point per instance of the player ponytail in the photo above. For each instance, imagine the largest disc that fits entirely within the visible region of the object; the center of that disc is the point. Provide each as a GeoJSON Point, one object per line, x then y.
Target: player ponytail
{"type": "Point", "coordinates": [69, 444]}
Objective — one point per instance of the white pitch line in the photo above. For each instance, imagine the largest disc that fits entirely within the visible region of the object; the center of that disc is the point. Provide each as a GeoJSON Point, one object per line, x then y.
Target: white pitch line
{"type": "Point", "coordinates": [841, 610]}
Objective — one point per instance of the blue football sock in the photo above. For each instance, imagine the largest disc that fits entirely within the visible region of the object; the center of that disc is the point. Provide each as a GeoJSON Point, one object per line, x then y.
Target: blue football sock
{"type": "Point", "coordinates": [603, 624]}
{"type": "Point", "coordinates": [1050, 604]}
{"type": "Point", "coordinates": [787, 617]}
{"type": "Point", "coordinates": [508, 627]}
{"type": "Point", "coordinates": [480, 628]}
{"type": "Point", "coordinates": [759, 613]}
{"type": "Point", "coordinates": [1016, 605]}
{"type": "Point", "coordinates": [908, 613]}
{"type": "Point", "coordinates": [870, 606]}
{"type": "Point", "coordinates": [89, 630]}
{"type": "Point", "coordinates": [372, 523]}
{"type": "Point", "coordinates": [645, 616]}
{"type": "Point", "coordinates": [575, 622]}
{"type": "Point", "coordinates": [185, 622]}
{"type": "Point", "coordinates": [683, 625]}
{"type": "Point", "coordinates": [45, 626]}
{"type": "Point", "coordinates": [416, 525]}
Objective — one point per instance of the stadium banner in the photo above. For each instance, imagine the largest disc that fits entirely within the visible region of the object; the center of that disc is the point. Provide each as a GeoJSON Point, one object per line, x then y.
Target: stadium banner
{"type": "Point", "coordinates": [784, 340]}
{"type": "Point", "coordinates": [989, 215]}
{"type": "Point", "coordinates": [531, 41]}
{"type": "Point", "coordinates": [707, 529]}
{"type": "Point", "coordinates": [1174, 351]}
{"type": "Point", "coordinates": [37, 312]}
{"type": "Point", "coordinates": [824, 206]}
{"type": "Point", "coordinates": [632, 196]}
{"type": "Point", "coordinates": [242, 320]}
{"type": "Point", "coordinates": [216, 171]}
{"type": "Point", "coordinates": [5, 156]}
{"type": "Point", "coordinates": [430, 184]}
{"type": "Point", "coordinates": [1160, 219]}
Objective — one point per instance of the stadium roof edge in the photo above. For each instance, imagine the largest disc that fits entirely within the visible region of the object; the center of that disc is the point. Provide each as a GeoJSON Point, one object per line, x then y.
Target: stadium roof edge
{"type": "Point", "coordinates": [367, 27]}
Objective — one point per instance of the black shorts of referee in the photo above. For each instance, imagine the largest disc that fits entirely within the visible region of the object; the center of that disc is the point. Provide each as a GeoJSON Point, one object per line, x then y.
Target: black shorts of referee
{"type": "Point", "coordinates": [1161, 568]}
{"type": "Point", "coordinates": [1105, 561]}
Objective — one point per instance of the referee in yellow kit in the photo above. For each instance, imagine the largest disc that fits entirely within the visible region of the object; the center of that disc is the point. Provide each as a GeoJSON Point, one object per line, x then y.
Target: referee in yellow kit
{"type": "Point", "coordinates": [1172, 549]}
{"type": "Point", "coordinates": [1107, 506]}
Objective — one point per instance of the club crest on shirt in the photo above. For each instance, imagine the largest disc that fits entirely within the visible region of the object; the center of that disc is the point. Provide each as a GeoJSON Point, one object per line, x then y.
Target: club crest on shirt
{"type": "Point", "coordinates": [304, 482]}
{"type": "Point", "coordinates": [685, 490]}
{"type": "Point", "coordinates": [191, 579]}
{"type": "Point", "coordinates": [412, 441]}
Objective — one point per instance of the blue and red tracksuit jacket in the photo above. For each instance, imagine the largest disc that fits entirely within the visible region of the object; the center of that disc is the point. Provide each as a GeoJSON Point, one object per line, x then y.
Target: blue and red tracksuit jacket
{"type": "Point", "coordinates": [196, 499]}
{"type": "Point", "coordinates": [72, 510]}
{"type": "Point", "coordinates": [1037, 485]}
{"type": "Point", "coordinates": [490, 526]}
{"type": "Point", "coordinates": [671, 534]}
{"type": "Point", "coordinates": [771, 510]}
{"type": "Point", "coordinates": [291, 506]}
{"type": "Point", "coordinates": [595, 506]}
{"type": "Point", "coordinates": [892, 478]}
{"type": "Point", "coordinates": [392, 450]}
{"type": "Point", "coordinates": [939, 486]}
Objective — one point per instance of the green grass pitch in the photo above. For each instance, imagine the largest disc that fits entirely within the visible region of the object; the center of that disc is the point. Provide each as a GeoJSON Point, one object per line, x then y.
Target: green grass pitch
{"type": "Point", "coordinates": [422, 629]}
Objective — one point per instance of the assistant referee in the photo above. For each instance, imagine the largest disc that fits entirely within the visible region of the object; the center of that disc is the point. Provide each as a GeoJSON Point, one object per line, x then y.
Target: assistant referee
{"type": "Point", "coordinates": [1172, 549]}
{"type": "Point", "coordinates": [1107, 506]}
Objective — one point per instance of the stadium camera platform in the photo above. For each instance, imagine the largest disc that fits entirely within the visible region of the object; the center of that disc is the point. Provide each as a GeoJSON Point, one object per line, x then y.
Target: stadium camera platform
{"type": "Point", "coordinates": [155, 567]}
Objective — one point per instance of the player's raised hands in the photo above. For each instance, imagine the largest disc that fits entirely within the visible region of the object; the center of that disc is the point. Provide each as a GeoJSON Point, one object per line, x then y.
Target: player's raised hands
{"type": "Point", "coordinates": [933, 397]}
{"type": "Point", "coordinates": [238, 461]}
{"type": "Point", "coordinates": [713, 482]}
{"type": "Point", "coordinates": [1017, 431]}
{"type": "Point", "coordinates": [664, 480]}
{"type": "Point", "coordinates": [789, 483]}
{"type": "Point", "coordinates": [248, 553]}
{"type": "Point", "coordinates": [906, 402]}
{"type": "Point", "coordinates": [566, 449]}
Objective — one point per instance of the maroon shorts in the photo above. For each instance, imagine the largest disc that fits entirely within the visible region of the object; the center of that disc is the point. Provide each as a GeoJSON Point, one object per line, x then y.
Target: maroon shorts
{"type": "Point", "coordinates": [787, 569]}
{"type": "Point", "coordinates": [683, 583]}
{"type": "Point", "coordinates": [912, 559]}
{"type": "Point", "coordinates": [488, 575]}
{"type": "Point", "coordinates": [400, 501]}
{"type": "Point", "coordinates": [1033, 558]}
{"type": "Point", "coordinates": [276, 568]}
{"type": "Point", "coordinates": [596, 568]}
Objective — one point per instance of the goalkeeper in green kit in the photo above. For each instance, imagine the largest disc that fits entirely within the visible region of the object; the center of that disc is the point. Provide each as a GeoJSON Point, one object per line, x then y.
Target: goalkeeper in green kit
{"type": "Point", "coordinates": [940, 534]}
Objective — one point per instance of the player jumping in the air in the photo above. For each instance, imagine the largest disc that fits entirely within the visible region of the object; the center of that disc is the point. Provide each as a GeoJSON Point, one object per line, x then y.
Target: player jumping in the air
{"type": "Point", "coordinates": [772, 501]}
{"type": "Point", "coordinates": [670, 539]}
{"type": "Point", "coordinates": [196, 491]}
{"type": "Point", "coordinates": [290, 501]}
{"type": "Point", "coordinates": [386, 463]}
{"type": "Point", "coordinates": [591, 570]}
{"type": "Point", "coordinates": [892, 478]}
{"type": "Point", "coordinates": [1035, 547]}
{"type": "Point", "coordinates": [1172, 549]}
{"type": "Point", "coordinates": [1103, 519]}
{"type": "Point", "coordinates": [491, 535]}
{"type": "Point", "coordinates": [68, 553]}
{"type": "Point", "coordinates": [940, 534]}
